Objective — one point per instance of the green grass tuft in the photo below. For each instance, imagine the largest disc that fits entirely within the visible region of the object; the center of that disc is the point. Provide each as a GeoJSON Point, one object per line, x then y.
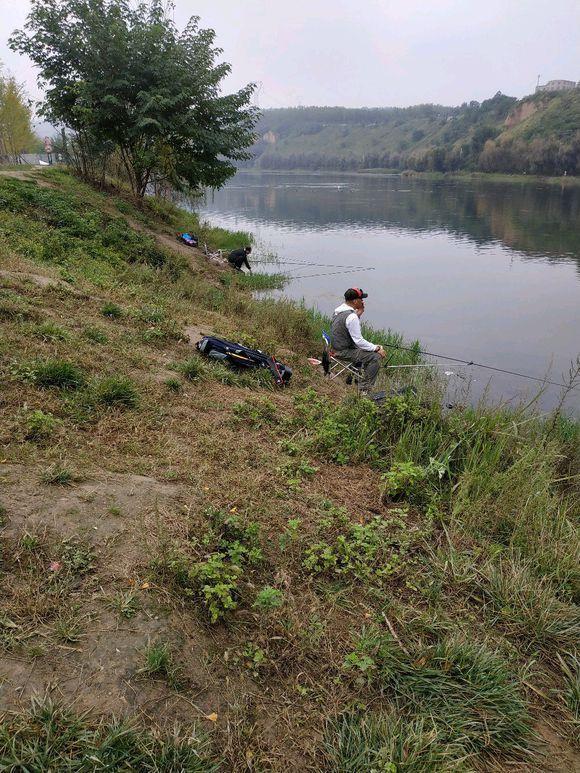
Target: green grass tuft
{"type": "Point", "coordinates": [116, 392]}
{"type": "Point", "coordinates": [390, 743]}
{"type": "Point", "coordinates": [112, 310]}
{"type": "Point", "coordinates": [57, 475]}
{"type": "Point", "coordinates": [57, 373]}
{"type": "Point", "coordinates": [49, 737]}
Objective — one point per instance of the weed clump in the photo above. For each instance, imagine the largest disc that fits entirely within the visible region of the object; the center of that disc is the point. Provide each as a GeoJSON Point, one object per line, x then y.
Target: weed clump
{"type": "Point", "coordinates": [95, 334]}
{"type": "Point", "coordinates": [50, 331]}
{"type": "Point", "coordinates": [40, 425]}
{"type": "Point", "coordinates": [215, 579]}
{"type": "Point", "coordinates": [466, 688]}
{"type": "Point", "coordinates": [388, 742]}
{"type": "Point", "coordinates": [370, 551]}
{"type": "Point", "coordinates": [268, 598]}
{"type": "Point", "coordinates": [112, 310]}
{"type": "Point", "coordinates": [527, 608]}
{"type": "Point", "coordinates": [193, 369]}
{"type": "Point", "coordinates": [256, 413]}
{"type": "Point", "coordinates": [57, 475]}
{"type": "Point", "coordinates": [56, 373]}
{"type": "Point", "coordinates": [173, 384]}
{"type": "Point", "coordinates": [49, 737]}
{"type": "Point", "coordinates": [116, 392]}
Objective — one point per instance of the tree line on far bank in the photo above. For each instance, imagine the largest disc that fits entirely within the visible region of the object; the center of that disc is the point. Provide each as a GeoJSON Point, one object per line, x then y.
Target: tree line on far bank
{"type": "Point", "coordinates": [432, 138]}
{"type": "Point", "coordinates": [139, 100]}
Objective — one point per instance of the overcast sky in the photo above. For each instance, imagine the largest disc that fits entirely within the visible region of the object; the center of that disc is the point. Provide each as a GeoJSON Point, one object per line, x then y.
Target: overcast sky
{"type": "Point", "coordinates": [374, 52]}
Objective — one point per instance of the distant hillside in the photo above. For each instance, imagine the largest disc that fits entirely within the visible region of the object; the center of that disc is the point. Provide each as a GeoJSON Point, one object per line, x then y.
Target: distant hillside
{"type": "Point", "coordinates": [539, 134]}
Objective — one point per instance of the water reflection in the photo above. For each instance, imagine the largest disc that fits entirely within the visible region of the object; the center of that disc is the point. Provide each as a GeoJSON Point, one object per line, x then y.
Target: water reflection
{"type": "Point", "coordinates": [538, 220]}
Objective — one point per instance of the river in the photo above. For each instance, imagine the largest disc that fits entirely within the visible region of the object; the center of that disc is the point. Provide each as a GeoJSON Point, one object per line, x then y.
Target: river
{"type": "Point", "coordinates": [477, 269]}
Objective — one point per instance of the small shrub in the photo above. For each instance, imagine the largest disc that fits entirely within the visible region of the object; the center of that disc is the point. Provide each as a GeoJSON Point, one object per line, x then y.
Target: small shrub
{"type": "Point", "coordinates": [290, 533]}
{"type": "Point", "coordinates": [254, 658]}
{"type": "Point", "coordinates": [112, 310]}
{"type": "Point", "coordinates": [229, 547]}
{"type": "Point", "coordinates": [268, 599]}
{"type": "Point", "coordinates": [58, 373]}
{"type": "Point", "coordinates": [57, 475]}
{"type": "Point", "coordinates": [40, 425]}
{"type": "Point", "coordinates": [117, 392]}
{"type": "Point", "coordinates": [95, 334]}
{"type": "Point", "coordinates": [404, 480]}
{"type": "Point", "coordinates": [218, 579]}
{"type": "Point", "coordinates": [367, 551]}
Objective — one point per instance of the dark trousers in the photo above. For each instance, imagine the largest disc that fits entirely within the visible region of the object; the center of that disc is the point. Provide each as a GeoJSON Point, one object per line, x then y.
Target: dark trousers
{"type": "Point", "coordinates": [370, 363]}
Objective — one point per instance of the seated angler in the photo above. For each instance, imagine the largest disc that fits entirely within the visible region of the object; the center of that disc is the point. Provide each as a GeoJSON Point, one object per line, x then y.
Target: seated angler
{"type": "Point", "coordinates": [348, 342]}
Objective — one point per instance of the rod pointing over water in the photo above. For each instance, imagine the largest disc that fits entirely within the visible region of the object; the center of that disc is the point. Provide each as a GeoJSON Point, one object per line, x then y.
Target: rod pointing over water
{"type": "Point", "coordinates": [482, 365]}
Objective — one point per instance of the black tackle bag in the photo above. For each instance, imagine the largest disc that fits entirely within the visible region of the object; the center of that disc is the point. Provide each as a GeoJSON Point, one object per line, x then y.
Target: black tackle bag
{"type": "Point", "coordinates": [241, 357]}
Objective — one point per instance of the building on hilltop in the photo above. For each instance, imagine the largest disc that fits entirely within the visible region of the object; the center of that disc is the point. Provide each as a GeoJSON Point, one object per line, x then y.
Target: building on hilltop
{"type": "Point", "coordinates": [557, 85]}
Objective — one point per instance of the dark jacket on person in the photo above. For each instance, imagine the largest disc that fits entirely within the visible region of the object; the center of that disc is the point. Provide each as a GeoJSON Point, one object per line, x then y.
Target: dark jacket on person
{"type": "Point", "coordinates": [239, 258]}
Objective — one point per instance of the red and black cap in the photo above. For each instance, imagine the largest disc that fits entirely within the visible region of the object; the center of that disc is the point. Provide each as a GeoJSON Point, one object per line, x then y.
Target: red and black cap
{"type": "Point", "coordinates": [354, 294]}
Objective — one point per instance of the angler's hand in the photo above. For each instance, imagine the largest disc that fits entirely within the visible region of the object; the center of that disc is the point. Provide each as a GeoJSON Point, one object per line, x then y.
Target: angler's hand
{"type": "Point", "coordinates": [381, 352]}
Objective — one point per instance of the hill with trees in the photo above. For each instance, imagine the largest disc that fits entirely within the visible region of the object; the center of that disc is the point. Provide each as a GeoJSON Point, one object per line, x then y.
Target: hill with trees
{"type": "Point", "coordinates": [539, 134]}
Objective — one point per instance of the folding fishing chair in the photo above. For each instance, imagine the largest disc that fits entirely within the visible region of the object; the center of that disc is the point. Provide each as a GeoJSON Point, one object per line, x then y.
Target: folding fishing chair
{"type": "Point", "coordinates": [335, 367]}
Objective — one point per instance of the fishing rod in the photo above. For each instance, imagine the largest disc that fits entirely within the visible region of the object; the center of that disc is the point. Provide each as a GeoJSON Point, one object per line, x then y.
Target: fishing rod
{"type": "Point", "coordinates": [330, 273]}
{"type": "Point", "coordinates": [306, 263]}
{"type": "Point", "coordinates": [482, 365]}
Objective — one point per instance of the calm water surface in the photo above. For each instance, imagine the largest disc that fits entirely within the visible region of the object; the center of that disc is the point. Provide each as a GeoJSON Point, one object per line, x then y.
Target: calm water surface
{"type": "Point", "coordinates": [480, 270]}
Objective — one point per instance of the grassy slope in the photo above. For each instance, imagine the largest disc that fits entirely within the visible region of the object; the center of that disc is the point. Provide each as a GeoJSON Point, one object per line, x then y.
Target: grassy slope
{"type": "Point", "coordinates": [313, 583]}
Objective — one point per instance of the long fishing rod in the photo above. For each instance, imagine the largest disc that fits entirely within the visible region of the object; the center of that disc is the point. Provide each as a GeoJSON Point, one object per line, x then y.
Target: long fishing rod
{"type": "Point", "coordinates": [481, 365]}
{"type": "Point", "coordinates": [330, 273]}
{"type": "Point", "coordinates": [306, 263]}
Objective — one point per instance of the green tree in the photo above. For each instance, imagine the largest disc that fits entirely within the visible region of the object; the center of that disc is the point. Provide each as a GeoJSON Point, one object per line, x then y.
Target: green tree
{"type": "Point", "coordinates": [16, 133]}
{"type": "Point", "coordinates": [134, 89]}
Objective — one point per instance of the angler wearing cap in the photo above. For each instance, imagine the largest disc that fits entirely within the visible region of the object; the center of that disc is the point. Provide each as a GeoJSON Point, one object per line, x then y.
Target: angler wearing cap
{"type": "Point", "coordinates": [348, 342]}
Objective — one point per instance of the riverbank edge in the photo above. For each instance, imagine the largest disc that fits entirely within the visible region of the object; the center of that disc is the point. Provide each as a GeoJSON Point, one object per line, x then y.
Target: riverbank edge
{"type": "Point", "coordinates": [567, 180]}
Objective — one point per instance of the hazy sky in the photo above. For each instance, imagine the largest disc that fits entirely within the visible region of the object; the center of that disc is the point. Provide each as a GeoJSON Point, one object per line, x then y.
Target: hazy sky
{"type": "Point", "coordinates": [374, 52]}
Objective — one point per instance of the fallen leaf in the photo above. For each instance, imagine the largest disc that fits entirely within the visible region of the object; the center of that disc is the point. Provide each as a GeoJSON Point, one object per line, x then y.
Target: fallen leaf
{"type": "Point", "coordinates": [55, 566]}
{"type": "Point", "coordinates": [145, 585]}
{"type": "Point", "coordinates": [212, 717]}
